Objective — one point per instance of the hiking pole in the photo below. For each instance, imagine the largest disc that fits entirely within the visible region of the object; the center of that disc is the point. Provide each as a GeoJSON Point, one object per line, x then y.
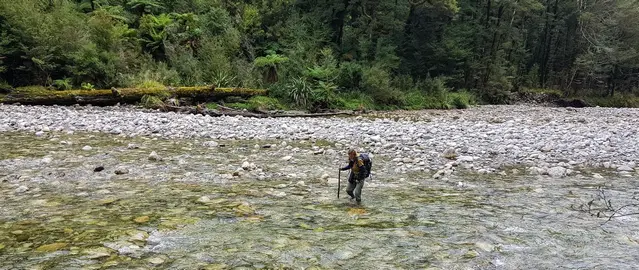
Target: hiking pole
{"type": "Point", "coordinates": [339, 181]}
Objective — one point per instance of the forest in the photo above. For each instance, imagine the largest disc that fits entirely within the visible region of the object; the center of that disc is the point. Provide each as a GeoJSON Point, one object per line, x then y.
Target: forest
{"type": "Point", "coordinates": [411, 54]}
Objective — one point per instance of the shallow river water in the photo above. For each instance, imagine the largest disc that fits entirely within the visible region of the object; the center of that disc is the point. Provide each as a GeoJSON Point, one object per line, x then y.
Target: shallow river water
{"type": "Point", "coordinates": [187, 211]}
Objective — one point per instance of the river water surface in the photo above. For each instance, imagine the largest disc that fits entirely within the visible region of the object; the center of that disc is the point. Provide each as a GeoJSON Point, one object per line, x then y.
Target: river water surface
{"type": "Point", "coordinates": [187, 211]}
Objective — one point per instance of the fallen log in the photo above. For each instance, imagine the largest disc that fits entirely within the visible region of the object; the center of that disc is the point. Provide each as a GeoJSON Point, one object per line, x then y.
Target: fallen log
{"type": "Point", "coordinates": [42, 96]}
{"type": "Point", "coordinates": [217, 113]}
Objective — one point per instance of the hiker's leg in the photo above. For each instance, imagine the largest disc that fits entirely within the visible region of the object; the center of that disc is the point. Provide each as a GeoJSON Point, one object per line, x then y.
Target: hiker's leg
{"type": "Point", "coordinates": [358, 190]}
{"type": "Point", "coordinates": [351, 186]}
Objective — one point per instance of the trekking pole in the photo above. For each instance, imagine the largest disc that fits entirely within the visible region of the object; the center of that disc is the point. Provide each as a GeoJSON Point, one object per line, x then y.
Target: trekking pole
{"type": "Point", "coordinates": [339, 181]}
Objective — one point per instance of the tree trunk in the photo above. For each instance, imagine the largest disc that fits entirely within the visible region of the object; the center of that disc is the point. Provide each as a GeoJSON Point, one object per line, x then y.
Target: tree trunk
{"type": "Point", "coordinates": [125, 95]}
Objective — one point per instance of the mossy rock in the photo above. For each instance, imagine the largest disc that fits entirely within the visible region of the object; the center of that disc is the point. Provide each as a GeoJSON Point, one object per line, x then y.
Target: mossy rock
{"type": "Point", "coordinates": [51, 247]}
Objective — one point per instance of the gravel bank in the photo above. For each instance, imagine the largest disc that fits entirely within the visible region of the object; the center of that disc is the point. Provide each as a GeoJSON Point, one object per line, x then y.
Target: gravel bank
{"type": "Point", "coordinates": [486, 139]}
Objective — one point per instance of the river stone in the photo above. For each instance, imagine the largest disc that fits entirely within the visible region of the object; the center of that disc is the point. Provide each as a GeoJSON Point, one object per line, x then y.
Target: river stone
{"type": "Point", "coordinates": [39, 133]}
{"type": "Point", "coordinates": [128, 250]}
{"type": "Point", "coordinates": [142, 219]}
{"type": "Point", "coordinates": [485, 246]}
{"type": "Point", "coordinates": [557, 172]}
{"type": "Point", "coordinates": [21, 189]}
{"type": "Point", "coordinates": [204, 199]}
{"type": "Point", "coordinates": [87, 148]}
{"type": "Point", "coordinates": [210, 144]}
{"type": "Point", "coordinates": [132, 146]}
{"type": "Point", "coordinates": [154, 156]}
{"type": "Point", "coordinates": [286, 158]}
{"type": "Point", "coordinates": [51, 247]}
{"type": "Point", "coordinates": [156, 261]}
{"type": "Point", "coordinates": [121, 171]}
{"type": "Point", "coordinates": [624, 168]}
{"type": "Point", "coordinates": [246, 166]}
{"type": "Point", "coordinates": [96, 253]}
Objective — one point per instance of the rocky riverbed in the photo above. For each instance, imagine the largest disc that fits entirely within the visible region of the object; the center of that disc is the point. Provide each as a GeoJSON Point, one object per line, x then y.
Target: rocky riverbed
{"type": "Point", "coordinates": [494, 187]}
{"type": "Point", "coordinates": [487, 139]}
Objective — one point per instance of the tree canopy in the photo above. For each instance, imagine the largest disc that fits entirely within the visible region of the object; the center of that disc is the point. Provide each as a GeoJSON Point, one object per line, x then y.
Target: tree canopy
{"type": "Point", "coordinates": [391, 52]}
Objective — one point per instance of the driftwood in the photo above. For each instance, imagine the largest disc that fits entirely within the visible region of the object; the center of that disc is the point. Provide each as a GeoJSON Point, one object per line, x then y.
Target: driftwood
{"type": "Point", "coordinates": [41, 96]}
{"type": "Point", "coordinates": [231, 112]}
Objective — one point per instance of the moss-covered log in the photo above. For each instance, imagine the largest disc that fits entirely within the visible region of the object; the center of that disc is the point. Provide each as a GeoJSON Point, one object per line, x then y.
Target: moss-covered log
{"type": "Point", "coordinates": [42, 96]}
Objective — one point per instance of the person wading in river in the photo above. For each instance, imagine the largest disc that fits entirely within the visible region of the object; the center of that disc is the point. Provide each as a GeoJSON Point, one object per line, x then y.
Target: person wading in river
{"type": "Point", "coordinates": [359, 172]}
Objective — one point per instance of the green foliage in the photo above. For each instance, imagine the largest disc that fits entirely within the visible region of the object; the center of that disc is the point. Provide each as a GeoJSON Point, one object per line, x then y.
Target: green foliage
{"type": "Point", "coordinates": [299, 91]}
{"type": "Point", "coordinates": [617, 101]}
{"type": "Point", "coordinates": [355, 101]}
{"type": "Point", "coordinates": [461, 100]}
{"type": "Point", "coordinates": [377, 83]}
{"type": "Point", "coordinates": [87, 86]}
{"type": "Point", "coordinates": [149, 84]}
{"type": "Point", "coordinates": [64, 84]}
{"type": "Point", "coordinates": [151, 102]}
{"type": "Point", "coordinates": [271, 60]}
{"type": "Point", "coordinates": [328, 54]}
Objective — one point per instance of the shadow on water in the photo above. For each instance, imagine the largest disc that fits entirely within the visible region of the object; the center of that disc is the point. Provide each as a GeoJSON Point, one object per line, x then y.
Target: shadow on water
{"type": "Point", "coordinates": [183, 213]}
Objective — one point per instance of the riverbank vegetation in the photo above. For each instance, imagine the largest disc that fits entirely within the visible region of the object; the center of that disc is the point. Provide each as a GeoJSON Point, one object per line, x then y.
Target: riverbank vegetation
{"type": "Point", "coordinates": [330, 54]}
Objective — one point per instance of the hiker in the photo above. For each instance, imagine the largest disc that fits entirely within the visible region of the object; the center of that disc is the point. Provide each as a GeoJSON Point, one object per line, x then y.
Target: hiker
{"type": "Point", "coordinates": [359, 171]}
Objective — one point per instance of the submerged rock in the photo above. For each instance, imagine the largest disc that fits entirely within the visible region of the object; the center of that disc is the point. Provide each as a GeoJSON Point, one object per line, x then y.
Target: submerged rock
{"type": "Point", "coordinates": [21, 189]}
{"type": "Point", "coordinates": [121, 171]}
{"type": "Point", "coordinates": [51, 247]}
{"type": "Point", "coordinates": [154, 156]}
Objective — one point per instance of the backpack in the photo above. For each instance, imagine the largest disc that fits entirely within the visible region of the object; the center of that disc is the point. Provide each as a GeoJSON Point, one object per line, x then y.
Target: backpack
{"type": "Point", "coordinates": [368, 163]}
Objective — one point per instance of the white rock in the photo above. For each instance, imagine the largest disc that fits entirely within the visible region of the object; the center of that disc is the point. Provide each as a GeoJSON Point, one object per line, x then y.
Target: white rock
{"type": "Point", "coordinates": [557, 172]}
{"type": "Point", "coordinates": [210, 144]}
{"type": "Point", "coordinates": [286, 158]}
{"type": "Point", "coordinates": [156, 261]}
{"type": "Point", "coordinates": [21, 189]}
{"type": "Point", "coordinates": [465, 159]}
{"type": "Point", "coordinates": [39, 133]}
{"type": "Point", "coordinates": [87, 148]}
{"type": "Point", "coordinates": [624, 168]}
{"type": "Point", "coordinates": [246, 166]}
{"type": "Point", "coordinates": [204, 199]}
{"type": "Point", "coordinates": [154, 156]}
{"type": "Point", "coordinates": [132, 146]}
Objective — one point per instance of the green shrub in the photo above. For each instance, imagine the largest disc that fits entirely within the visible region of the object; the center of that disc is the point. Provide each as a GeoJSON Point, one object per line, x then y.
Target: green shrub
{"type": "Point", "coordinates": [265, 103]}
{"type": "Point", "coordinates": [87, 86]}
{"type": "Point", "coordinates": [617, 101]}
{"type": "Point", "coordinates": [149, 84]}
{"type": "Point", "coordinates": [461, 100]}
{"type": "Point", "coordinates": [377, 82]}
{"type": "Point", "coordinates": [350, 75]}
{"type": "Point", "coordinates": [151, 102]}
{"type": "Point", "coordinates": [299, 91]}
{"type": "Point", "coordinates": [355, 101]}
{"type": "Point", "coordinates": [64, 84]}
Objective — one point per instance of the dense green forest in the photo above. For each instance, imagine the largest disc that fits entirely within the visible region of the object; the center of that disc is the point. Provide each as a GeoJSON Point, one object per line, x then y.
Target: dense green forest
{"type": "Point", "coordinates": [330, 53]}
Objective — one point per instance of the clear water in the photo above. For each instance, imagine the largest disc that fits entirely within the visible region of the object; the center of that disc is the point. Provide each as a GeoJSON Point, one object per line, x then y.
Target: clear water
{"type": "Point", "coordinates": [184, 213]}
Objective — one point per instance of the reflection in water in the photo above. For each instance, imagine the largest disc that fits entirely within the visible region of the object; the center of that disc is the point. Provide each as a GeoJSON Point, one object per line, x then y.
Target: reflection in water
{"type": "Point", "coordinates": [184, 212]}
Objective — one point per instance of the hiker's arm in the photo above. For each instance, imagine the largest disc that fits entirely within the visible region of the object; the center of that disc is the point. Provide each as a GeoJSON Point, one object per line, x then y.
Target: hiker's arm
{"type": "Point", "coordinates": [350, 165]}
